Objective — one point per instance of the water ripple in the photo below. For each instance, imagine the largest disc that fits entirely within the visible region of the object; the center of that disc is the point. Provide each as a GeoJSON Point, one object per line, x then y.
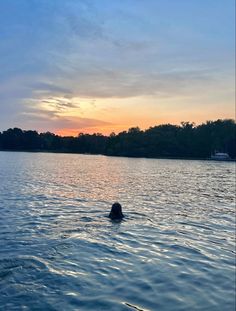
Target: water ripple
{"type": "Point", "coordinates": [174, 250]}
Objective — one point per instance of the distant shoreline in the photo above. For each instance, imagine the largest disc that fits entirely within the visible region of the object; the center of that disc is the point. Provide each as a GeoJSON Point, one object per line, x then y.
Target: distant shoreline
{"type": "Point", "coordinates": [118, 156]}
{"type": "Point", "coordinates": [166, 141]}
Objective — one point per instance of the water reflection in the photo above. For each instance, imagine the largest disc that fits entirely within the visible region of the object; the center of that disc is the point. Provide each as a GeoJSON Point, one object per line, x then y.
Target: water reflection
{"type": "Point", "coordinates": [174, 250]}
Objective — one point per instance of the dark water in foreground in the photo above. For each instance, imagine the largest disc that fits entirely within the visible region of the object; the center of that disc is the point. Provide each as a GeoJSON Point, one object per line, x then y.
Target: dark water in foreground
{"type": "Point", "coordinates": [58, 251]}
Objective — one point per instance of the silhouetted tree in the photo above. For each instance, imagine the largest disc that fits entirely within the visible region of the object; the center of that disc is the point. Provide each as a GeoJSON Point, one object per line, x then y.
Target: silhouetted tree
{"type": "Point", "coordinates": [182, 141]}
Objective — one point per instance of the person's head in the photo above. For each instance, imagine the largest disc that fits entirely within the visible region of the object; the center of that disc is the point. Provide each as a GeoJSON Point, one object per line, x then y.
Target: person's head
{"type": "Point", "coordinates": [116, 211]}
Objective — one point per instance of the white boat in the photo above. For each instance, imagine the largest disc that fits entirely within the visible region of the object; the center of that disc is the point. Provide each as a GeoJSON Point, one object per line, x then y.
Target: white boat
{"type": "Point", "coordinates": [220, 156]}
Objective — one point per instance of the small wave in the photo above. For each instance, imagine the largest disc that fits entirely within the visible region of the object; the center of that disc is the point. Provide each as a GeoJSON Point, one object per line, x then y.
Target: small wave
{"type": "Point", "coordinates": [134, 307]}
{"type": "Point", "coordinates": [7, 266]}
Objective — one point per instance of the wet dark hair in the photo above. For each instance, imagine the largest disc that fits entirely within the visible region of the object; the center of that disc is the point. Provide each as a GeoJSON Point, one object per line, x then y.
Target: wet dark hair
{"type": "Point", "coordinates": [116, 211]}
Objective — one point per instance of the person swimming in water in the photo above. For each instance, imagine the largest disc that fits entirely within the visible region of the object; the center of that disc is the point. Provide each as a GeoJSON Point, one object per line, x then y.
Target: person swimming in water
{"type": "Point", "coordinates": [116, 211]}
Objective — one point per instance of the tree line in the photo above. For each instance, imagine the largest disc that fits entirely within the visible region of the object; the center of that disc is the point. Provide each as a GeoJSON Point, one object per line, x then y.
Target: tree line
{"type": "Point", "coordinates": [169, 141]}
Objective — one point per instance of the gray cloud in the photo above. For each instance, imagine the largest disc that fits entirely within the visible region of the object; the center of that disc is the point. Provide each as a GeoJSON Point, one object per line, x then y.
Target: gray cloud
{"type": "Point", "coordinates": [60, 104]}
{"type": "Point", "coordinates": [42, 120]}
{"type": "Point", "coordinates": [121, 84]}
{"type": "Point", "coordinates": [50, 88]}
{"type": "Point", "coordinates": [53, 51]}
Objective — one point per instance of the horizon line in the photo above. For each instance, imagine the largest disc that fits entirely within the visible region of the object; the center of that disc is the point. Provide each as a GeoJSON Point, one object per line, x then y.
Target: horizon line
{"type": "Point", "coordinates": [113, 132]}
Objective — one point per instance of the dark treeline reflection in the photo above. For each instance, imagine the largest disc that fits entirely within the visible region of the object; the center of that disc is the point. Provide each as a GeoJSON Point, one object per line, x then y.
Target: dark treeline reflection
{"type": "Point", "coordinates": [183, 141]}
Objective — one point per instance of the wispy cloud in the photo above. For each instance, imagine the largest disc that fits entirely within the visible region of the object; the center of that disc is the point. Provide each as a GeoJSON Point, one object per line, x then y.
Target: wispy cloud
{"type": "Point", "coordinates": [55, 52]}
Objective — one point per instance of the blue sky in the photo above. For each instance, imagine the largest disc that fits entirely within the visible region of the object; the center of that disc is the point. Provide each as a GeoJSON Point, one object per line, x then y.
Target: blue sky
{"type": "Point", "coordinates": [98, 65]}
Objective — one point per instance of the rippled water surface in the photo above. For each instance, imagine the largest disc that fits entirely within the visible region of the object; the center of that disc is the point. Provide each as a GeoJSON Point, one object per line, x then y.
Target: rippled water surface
{"type": "Point", "coordinates": [175, 249]}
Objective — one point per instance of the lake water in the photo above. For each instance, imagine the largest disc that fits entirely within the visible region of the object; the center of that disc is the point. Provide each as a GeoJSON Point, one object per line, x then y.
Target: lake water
{"type": "Point", "coordinates": [175, 249]}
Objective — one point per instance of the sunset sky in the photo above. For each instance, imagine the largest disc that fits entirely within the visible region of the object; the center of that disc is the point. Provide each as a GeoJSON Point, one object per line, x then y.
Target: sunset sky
{"type": "Point", "coordinates": [70, 66]}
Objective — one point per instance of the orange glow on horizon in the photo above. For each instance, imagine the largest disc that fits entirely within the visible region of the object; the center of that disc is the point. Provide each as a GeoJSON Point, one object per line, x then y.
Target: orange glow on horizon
{"type": "Point", "coordinates": [117, 128]}
{"type": "Point", "coordinates": [92, 130]}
